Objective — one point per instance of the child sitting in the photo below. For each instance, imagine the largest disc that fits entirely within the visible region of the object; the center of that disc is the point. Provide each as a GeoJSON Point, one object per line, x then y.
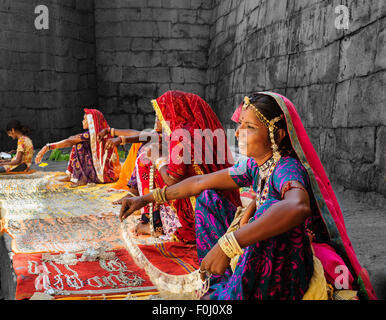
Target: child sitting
{"type": "Point", "coordinates": [25, 150]}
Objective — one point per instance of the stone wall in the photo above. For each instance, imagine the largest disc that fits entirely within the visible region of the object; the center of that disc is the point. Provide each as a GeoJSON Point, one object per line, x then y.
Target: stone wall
{"type": "Point", "coordinates": [120, 54]}
{"type": "Point", "coordinates": [336, 78]}
{"type": "Point", "coordinates": [46, 76]}
{"type": "Point", "coordinates": [145, 48]}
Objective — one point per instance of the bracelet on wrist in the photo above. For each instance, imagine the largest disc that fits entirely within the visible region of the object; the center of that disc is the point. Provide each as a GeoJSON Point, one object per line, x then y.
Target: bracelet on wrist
{"type": "Point", "coordinates": [160, 162]}
{"type": "Point", "coordinates": [229, 245]}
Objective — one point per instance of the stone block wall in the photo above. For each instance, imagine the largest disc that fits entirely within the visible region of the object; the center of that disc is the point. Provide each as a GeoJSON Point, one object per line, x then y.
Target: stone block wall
{"type": "Point", "coordinates": [335, 78]}
{"type": "Point", "coordinates": [46, 76]}
{"type": "Point", "coordinates": [120, 54]}
{"type": "Point", "coordinates": [145, 48]}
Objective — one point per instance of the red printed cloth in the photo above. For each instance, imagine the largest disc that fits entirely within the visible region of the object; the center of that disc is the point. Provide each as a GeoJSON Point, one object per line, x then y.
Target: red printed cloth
{"type": "Point", "coordinates": [117, 274]}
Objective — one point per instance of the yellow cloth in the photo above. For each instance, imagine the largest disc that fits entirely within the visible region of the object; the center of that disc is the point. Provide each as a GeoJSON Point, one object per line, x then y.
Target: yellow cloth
{"type": "Point", "coordinates": [26, 148]}
{"type": "Point", "coordinates": [127, 168]}
{"type": "Point", "coordinates": [317, 289]}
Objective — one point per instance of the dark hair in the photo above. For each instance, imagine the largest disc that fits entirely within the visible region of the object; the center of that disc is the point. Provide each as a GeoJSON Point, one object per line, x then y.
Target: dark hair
{"type": "Point", "coordinates": [15, 124]}
{"type": "Point", "coordinates": [268, 106]}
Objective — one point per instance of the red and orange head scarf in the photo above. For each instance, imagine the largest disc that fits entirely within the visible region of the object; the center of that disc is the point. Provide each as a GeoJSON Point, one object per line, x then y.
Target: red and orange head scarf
{"type": "Point", "coordinates": [106, 162]}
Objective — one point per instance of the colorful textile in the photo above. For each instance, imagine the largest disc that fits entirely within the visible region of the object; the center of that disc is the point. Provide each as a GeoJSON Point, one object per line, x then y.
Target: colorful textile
{"type": "Point", "coordinates": [24, 146]}
{"type": "Point", "coordinates": [105, 163]}
{"type": "Point", "coordinates": [327, 205]}
{"type": "Point", "coordinates": [173, 258]}
{"type": "Point", "coordinates": [89, 273]}
{"type": "Point", "coordinates": [80, 165]}
{"type": "Point", "coordinates": [178, 110]}
{"type": "Point", "coordinates": [66, 234]}
{"type": "Point", "coordinates": [277, 268]}
{"type": "Point", "coordinates": [127, 168]}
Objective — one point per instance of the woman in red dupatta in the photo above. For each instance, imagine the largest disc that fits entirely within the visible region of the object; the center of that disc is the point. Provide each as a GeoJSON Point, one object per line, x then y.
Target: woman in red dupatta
{"type": "Point", "coordinates": [90, 161]}
{"type": "Point", "coordinates": [294, 238]}
{"type": "Point", "coordinates": [182, 115]}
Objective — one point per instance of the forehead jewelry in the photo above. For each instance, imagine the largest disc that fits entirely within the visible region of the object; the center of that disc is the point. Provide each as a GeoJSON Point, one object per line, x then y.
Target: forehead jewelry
{"type": "Point", "coordinates": [270, 124]}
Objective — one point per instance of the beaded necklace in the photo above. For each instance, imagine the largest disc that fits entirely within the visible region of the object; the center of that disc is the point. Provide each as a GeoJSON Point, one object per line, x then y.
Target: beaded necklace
{"type": "Point", "coordinates": [265, 172]}
{"type": "Point", "coordinates": [151, 205]}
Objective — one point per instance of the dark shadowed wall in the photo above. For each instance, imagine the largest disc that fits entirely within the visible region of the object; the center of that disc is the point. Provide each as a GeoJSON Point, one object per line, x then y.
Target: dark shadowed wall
{"type": "Point", "coordinates": [46, 76]}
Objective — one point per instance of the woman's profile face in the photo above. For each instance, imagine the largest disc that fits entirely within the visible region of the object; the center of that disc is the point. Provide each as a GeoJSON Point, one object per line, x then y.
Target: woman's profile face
{"type": "Point", "coordinates": [252, 136]}
{"type": "Point", "coordinates": [12, 133]}
{"type": "Point", "coordinates": [85, 122]}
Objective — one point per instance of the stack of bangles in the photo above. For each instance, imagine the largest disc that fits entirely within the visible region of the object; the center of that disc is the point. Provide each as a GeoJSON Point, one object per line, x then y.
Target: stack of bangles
{"type": "Point", "coordinates": [112, 132]}
{"type": "Point", "coordinates": [229, 245]}
{"type": "Point", "coordinates": [160, 195]}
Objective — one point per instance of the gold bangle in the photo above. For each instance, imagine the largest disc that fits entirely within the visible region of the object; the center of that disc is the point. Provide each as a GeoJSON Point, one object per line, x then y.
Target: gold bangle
{"type": "Point", "coordinates": [163, 194]}
{"type": "Point", "coordinates": [235, 245]}
{"type": "Point", "coordinates": [157, 195]}
{"type": "Point", "coordinates": [112, 132]}
{"type": "Point", "coordinates": [226, 246]}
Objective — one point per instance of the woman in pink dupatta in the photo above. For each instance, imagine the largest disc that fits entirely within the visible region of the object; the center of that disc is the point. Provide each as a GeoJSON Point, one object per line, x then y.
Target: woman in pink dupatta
{"type": "Point", "coordinates": [295, 218]}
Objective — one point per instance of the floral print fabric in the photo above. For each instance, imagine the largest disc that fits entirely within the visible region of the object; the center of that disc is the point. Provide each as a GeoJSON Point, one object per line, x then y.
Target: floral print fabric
{"type": "Point", "coordinates": [25, 146]}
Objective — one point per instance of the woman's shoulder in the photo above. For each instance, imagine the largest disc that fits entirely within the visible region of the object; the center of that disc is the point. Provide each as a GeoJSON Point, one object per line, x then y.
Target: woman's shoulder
{"type": "Point", "coordinates": [290, 162]}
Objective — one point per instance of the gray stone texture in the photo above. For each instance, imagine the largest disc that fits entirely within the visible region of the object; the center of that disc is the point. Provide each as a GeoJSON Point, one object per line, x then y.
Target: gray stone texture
{"type": "Point", "coordinates": [335, 78]}
{"type": "Point", "coordinates": [46, 76]}
{"type": "Point", "coordinates": [145, 48]}
{"type": "Point", "coordinates": [118, 55]}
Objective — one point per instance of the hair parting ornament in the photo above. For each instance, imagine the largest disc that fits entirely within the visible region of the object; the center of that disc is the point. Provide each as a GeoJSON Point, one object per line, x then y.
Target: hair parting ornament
{"type": "Point", "coordinates": [270, 124]}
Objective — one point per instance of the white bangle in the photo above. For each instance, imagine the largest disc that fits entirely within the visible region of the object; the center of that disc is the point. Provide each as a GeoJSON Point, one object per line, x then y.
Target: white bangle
{"type": "Point", "coordinates": [160, 162]}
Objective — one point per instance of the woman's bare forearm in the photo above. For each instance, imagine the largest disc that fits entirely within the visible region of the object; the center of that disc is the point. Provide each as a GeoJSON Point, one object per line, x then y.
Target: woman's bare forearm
{"type": "Point", "coordinates": [66, 143]}
{"type": "Point", "coordinates": [126, 132]}
{"type": "Point", "coordinates": [193, 186]}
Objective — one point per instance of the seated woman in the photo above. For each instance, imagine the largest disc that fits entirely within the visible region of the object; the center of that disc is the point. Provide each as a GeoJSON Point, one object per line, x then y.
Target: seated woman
{"type": "Point", "coordinates": [181, 115]}
{"type": "Point", "coordinates": [89, 161]}
{"type": "Point", "coordinates": [25, 149]}
{"type": "Point", "coordinates": [139, 140]}
{"type": "Point", "coordinates": [273, 252]}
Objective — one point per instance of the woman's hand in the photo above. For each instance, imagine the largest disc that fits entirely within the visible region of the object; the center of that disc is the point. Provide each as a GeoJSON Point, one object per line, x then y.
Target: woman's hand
{"type": "Point", "coordinates": [40, 155]}
{"type": "Point", "coordinates": [102, 134]}
{"type": "Point", "coordinates": [113, 142]}
{"type": "Point", "coordinates": [129, 205]}
{"type": "Point", "coordinates": [215, 262]}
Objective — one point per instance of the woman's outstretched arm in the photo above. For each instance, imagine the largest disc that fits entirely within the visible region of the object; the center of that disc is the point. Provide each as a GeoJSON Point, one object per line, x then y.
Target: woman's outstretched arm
{"type": "Point", "coordinates": [66, 143]}
{"type": "Point", "coordinates": [193, 186]}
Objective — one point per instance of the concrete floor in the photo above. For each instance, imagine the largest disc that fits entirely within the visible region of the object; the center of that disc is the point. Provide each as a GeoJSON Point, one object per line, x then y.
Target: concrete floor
{"type": "Point", "coordinates": [365, 219]}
